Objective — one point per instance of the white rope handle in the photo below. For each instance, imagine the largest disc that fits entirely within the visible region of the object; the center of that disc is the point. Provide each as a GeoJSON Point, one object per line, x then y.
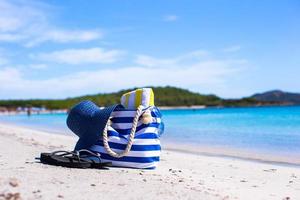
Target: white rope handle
{"type": "Point", "coordinates": [131, 136]}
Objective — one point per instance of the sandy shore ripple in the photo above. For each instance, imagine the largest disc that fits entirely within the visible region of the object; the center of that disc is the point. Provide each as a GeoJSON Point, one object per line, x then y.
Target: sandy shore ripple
{"type": "Point", "coordinates": [179, 175]}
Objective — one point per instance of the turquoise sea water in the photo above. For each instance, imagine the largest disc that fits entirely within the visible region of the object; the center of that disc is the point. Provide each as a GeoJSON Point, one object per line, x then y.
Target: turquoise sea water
{"type": "Point", "coordinates": [269, 130]}
{"type": "Point", "coordinates": [273, 131]}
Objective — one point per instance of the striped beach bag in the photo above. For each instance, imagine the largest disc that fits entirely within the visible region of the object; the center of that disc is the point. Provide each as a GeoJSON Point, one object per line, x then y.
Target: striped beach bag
{"type": "Point", "coordinates": [131, 137]}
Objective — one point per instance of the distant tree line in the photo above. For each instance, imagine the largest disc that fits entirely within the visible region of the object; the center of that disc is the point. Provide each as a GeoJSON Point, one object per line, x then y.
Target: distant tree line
{"type": "Point", "coordinates": [164, 96]}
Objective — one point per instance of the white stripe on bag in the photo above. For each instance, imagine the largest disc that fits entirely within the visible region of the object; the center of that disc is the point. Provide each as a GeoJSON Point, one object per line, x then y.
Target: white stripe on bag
{"type": "Point", "coordinates": [144, 154]}
{"type": "Point", "coordinates": [119, 140]}
{"type": "Point", "coordinates": [117, 114]}
{"type": "Point", "coordinates": [142, 131]}
{"type": "Point", "coordinates": [128, 113]}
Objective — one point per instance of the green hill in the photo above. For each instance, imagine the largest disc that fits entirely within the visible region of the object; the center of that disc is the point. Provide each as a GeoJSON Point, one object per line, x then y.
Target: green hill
{"type": "Point", "coordinates": [164, 96]}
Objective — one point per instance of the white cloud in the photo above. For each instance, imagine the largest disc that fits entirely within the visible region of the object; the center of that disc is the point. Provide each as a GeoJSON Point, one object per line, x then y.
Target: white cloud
{"type": "Point", "coordinates": [80, 56]}
{"type": "Point", "coordinates": [199, 75]}
{"type": "Point", "coordinates": [3, 60]}
{"type": "Point", "coordinates": [17, 15]}
{"type": "Point", "coordinates": [186, 58]}
{"type": "Point", "coordinates": [9, 76]}
{"type": "Point", "coordinates": [9, 24]}
{"type": "Point", "coordinates": [65, 36]}
{"type": "Point", "coordinates": [234, 48]}
{"type": "Point", "coordinates": [151, 61]}
{"type": "Point", "coordinates": [3, 57]}
{"type": "Point", "coordinates": [170, 18]}
{"type": "Point", "coordinates": [8, 37]}
{"type": "Point", "coordinates": [27, 22]}
{"type": "Point", "coordinates": [38, 66]}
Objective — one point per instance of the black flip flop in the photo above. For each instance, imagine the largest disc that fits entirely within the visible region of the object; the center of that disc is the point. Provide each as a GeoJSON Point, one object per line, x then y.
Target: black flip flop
{"type": "Point", "coordinates": [74, 159]}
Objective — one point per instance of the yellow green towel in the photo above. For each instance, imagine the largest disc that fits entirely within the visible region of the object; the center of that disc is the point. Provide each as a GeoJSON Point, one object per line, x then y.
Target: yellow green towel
{"type": "Point", "coordinates": [133, 99]}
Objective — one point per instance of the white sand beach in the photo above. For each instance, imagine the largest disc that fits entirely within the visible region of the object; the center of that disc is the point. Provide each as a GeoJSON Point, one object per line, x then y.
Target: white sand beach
{"type": "Point", "coordinates": [179, 175]}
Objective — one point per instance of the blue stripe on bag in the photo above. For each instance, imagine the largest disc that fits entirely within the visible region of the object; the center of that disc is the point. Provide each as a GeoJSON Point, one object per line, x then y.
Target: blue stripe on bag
{"type": "Point", "coordinates": [140, 136]}
{"type": "Point", "coordinates": [127, 131]}
{"type": "Point", "coordinates": [131, 159]}
{"type": "Point", "coordinates": [133, 147]}
{"type": "Point", "coordinates": [115, 134]}
{"type": "Point", "coordinates": [147, 136]}
{"type": "Point", "coordinates": [122, 120]}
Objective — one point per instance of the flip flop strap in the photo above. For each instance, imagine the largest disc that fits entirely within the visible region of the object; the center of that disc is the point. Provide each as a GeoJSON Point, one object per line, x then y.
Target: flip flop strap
{"type": "Point", "coordinates": [76, 153]}
{"type": "Point", "coordinates": [131, 136]}
{"type": "Point", "coordinates": [97, 155]}
{"type": "Point", "coordinates": [62, 153]}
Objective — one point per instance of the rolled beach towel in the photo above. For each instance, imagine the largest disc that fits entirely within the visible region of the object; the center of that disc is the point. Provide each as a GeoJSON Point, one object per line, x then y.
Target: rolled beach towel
{"type": "Point", "coordinates": [133, 99]}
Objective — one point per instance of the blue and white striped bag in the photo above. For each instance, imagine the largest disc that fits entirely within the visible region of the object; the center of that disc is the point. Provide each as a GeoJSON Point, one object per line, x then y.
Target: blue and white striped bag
{"type": "Point", "coordinates": [145, 150]}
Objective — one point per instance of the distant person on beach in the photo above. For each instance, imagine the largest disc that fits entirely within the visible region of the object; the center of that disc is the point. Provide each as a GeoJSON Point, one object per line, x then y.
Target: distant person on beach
{"type": "Point", "coordinates": [28, 111]}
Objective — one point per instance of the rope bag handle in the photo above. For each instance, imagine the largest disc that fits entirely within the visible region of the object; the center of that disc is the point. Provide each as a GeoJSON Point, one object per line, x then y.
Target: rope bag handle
{"type": "Point", "coordinates": [131, 136]}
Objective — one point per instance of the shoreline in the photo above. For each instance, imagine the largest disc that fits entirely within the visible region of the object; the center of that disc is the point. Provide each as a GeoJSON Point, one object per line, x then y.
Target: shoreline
{"type": "Point", "coordinates": [190, 148]}
{"type": "Point", "coordinates": [179, 175]}
{"type": "Point", "coordinates": [243, 157]}
{"type": "Point", "coordinates": [236, 153]}
{"type": "Point", "coordinates": [192, 107]}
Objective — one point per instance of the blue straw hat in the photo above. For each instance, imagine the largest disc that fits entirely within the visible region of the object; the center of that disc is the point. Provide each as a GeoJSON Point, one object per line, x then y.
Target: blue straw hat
{"type": "Point", "coordinates": [88, 121]}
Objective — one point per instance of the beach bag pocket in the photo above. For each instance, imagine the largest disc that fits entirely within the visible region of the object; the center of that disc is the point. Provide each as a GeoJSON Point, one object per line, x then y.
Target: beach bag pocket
{"type": "Point", "coordinates": [131, 138]}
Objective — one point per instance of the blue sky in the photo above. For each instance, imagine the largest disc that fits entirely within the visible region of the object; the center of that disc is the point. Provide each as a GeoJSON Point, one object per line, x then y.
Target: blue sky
{"type": "Point", "coordinates": [58, 49]}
